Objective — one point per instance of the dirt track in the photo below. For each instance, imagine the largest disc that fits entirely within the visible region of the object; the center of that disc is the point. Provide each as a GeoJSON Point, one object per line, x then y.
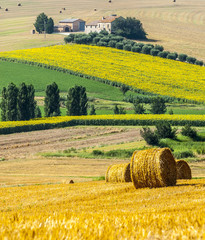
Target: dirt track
{"type": "Point", "coordinates": [26, 145]}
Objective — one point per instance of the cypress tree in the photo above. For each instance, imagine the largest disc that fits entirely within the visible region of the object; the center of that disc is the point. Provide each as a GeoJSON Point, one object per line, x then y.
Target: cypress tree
{"type": "Point", "coordinates": [92, 111]}
{"type": "Point", "coordinates": [4, 104]}
{"type": "Point", "coordinates": [83, 101]}
{"type": "Point", "coordinates": [52, 100]}
{"type": "Point", "coordinates": [31, 101]}
{"type": "Point", "coordinates": [23, 103]}
{"type": "Point", "coordinates": [77, 101]}
{"type": "Point", "coordinates": [11, 111]}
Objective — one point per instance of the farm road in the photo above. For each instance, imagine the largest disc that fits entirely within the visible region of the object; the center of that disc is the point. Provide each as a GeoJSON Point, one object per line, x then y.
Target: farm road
{"type": "Point", "coordinates": [28, 144]}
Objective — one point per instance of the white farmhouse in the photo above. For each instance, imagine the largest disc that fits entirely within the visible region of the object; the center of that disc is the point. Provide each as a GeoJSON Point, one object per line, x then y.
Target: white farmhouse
{"type": "Point", "coordinates": [104, 24]}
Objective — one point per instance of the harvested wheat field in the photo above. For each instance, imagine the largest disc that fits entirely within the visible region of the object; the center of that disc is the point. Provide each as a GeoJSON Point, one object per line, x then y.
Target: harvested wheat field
{"type": "Point", "coordinates": [99, 210]}
{"type": "Point", "coordinates": [22, 163]}
{"type": "Point", "coordinates": [177, 26]}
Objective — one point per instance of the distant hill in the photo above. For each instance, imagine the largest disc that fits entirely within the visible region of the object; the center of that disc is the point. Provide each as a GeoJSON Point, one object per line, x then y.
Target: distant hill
{"type": "Point", "coordinates": [177, 26]}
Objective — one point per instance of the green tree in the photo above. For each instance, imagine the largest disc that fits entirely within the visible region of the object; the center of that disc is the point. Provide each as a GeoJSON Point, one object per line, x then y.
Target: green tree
{"type": "Point", "coordinates": [158, 106]}
{"type": "Point", "coordinates": [149, 136]}
{"type": "Point", "coordinates": [138, 108]}
{"type": "Point", "coordinates": [52, 101]}
{"type": "Point", "coordinates": [130, 28]}
{"type": "Point", "coordinates": [188, 131]}
{"type": "Point", "coordinates": [83, 101]}
{"type": "Point", "coordinates": [23, 103]}
{"type": "Point", "coordinates": [164, 130]}
{"type": "Point", "coordinates": [124, 88]}
{"type": "Point", "coordinates": [116, 109]}
{"type": "Point", "coordinates": [37, 112]}
{"type": "Point", "coordinates": [41, 22]}
{"type": "Point", "coordinates": [31, 101]}
{"type": "Point", "coordinates": [92, 111]}
{"type": "Point", "coordinates": [50, 26]}
{"type": "Point", "coordinates": [77, 101]}
{"type": "Point", "coordinates": [11, 110]}
{"type": "Point", "coordinates": [4, 104]}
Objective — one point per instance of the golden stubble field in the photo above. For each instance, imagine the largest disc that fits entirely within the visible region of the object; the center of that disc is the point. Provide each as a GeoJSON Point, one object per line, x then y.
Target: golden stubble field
{"type": "Point", "coordinates": [22, 162]}
{"type": "Point", "coordinates": [177, 26]}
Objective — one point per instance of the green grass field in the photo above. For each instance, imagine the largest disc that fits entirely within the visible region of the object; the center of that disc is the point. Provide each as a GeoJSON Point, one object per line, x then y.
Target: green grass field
{"type": "Point", "coordinates": [40, 78]}
{"type": "Point", "coordinates": [103, 97]}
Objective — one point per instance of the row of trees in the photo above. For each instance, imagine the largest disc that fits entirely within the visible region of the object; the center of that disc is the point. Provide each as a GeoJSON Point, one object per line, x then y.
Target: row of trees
{"type": "Point", "coordinates": [157, 105]}
{"type": "Point", "coordinates": [19, 103]}
{"type": "Point", "coordinates": [104, 39]}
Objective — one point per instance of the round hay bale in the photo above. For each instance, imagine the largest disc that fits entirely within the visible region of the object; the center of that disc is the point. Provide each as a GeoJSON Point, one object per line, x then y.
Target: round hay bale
{"type": "Point", "coordinates": [118, 173]}
{"type": "Point", "coordinates": [154, 167]}
{"type": "Point", "coordinates": [183, 170]}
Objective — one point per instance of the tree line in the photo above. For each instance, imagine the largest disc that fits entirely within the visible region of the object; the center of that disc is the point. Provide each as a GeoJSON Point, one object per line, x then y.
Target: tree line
{"type": "Point", "coordinates": [18, 103]}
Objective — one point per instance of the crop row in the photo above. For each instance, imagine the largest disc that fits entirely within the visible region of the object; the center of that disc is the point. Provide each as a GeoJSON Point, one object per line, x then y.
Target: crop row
{"type": "Point", "coordinates": [128, 119]}
{"type": "Point", "coordinates": [147, 73]}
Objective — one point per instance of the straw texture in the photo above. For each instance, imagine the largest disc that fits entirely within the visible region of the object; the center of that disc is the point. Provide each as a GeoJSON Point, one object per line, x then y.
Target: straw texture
{"type": "Point", "coordinates": [118, 173]}
{"type": "Point", "coordinates": [183, 170]}
{"type": "Point", "coordinates": [154, 167]}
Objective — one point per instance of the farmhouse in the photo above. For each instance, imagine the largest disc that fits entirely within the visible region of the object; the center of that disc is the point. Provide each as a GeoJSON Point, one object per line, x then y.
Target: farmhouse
{"type": "Point", "coordinates": [104, 24]}
{"type": "Point", "coordinates": [70, 25]}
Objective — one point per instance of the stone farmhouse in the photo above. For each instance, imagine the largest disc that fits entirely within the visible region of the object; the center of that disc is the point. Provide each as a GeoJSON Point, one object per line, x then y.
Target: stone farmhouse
{"type": "Point", "coordinates": [70, 25]}
{"type": "Point", "coordinates": [104, 24]}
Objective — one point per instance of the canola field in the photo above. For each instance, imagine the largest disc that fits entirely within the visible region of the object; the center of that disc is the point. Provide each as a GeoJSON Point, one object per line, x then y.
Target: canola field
{"type": "Point", "coordinates": [99, 210]}
{"type": "Point", "coordinates": [151, 74]}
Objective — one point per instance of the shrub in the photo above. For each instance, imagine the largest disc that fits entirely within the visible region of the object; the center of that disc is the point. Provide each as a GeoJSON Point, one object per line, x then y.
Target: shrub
{"type": "Point", "coordinates": [127, 47]}
{"type": "Point", "coordinates": [97, 153]}
{"type": "Point", "coordinates": [136, 49]}
{"type": "Point", "coordinates": [105, 39]}
{"type": "Point", "coordinates": [96, 40]}
{"type": "Point", "coordinates": [119, 45]}
{"type": "Point", "coordinates": [164, 130]}
{"type": "Point", "coordinates": [191, 60]}
{"type": "Point", "coordinates": [158, 106]}
{"type": "Point", "coordinates": [182, 57]}
{"type": "Point", "coordinates": [150, 137]}
{"type": "Point", "coordinates": [183, 154]}
{"type": "Point", "coordinates": [200, 63]}
{"type": "Point", "coordinates": [138, 108]}
{"type": "Point", "coordinates": [102, 44]}
{"type": "Point", "coordinates": [146, 49]}
{"type": "Point", "coordinates": [154, 52]}
{"type": "Point", "coordinates": [140, 45]}
{"type": "Point", "coordinates": [103, 32]}
{"type": "Point", "coordinates": [117, 38]}
{"type": "Point", "coordinates": [112, 43]}
{"type": "Point", "coordinates": [171, 56]}
{"type": "Point", "coordinates": [159, 47]}
{"type": "Point", "coordinates": [68, 39]}
{"type": "Point", "coordinates": [189, 132]}
{"type": "Point", "coordinates": [163, 54]}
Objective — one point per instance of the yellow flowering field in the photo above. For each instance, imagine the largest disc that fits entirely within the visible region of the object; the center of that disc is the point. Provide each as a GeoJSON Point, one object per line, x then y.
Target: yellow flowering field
{"type": "Point", "coordinates": [145, 117]}
{"type": "Point", "coordinates": [99, 210]}
{"type": "Point", "coordinates": [151, 74]}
